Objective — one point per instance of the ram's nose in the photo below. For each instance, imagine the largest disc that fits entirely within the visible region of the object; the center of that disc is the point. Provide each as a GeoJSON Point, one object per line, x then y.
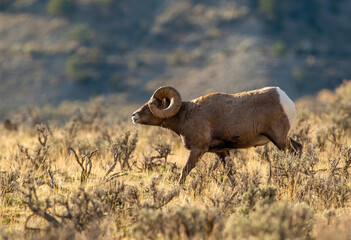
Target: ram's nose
{"type": "Point", "coordinates": [135, 117]}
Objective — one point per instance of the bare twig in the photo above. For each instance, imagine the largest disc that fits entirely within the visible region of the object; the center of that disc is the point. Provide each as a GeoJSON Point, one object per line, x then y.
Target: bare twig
{"type": "Point", "coordinates": [34, 205]}
{"type": "Point", "coordinates": [84, 161]}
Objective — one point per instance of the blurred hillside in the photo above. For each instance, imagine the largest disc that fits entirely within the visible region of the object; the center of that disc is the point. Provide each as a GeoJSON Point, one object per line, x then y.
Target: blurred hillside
{"type": "Point", "coordinates": [54, 50]}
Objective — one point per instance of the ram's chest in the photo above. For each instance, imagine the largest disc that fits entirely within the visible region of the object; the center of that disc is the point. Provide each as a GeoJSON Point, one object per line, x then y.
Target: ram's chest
{"type": "Point", "coordinates": [196, 136]}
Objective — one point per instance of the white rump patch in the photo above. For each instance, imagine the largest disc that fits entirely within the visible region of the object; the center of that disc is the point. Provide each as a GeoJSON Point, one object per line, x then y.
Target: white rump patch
{"type": "Point", "coordinates": [288, 106]}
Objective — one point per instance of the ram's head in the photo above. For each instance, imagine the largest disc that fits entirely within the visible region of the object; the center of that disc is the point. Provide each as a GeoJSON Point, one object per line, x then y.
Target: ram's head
{"type": "Point", "coordinates": [164, 103]}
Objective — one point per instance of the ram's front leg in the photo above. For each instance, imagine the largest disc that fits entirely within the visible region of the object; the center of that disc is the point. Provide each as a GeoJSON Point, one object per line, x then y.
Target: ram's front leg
{"type": "Point", "coordinates": [194, 156]}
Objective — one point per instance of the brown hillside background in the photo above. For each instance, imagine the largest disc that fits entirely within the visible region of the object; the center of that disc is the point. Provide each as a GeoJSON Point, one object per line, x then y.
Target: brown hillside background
{"type": "Point", "coordinates": [56, 50]}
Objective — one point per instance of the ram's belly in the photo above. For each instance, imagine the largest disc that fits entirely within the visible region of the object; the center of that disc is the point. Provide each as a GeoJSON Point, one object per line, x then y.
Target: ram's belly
{"type": "Point", "coordinates": [221, 145]}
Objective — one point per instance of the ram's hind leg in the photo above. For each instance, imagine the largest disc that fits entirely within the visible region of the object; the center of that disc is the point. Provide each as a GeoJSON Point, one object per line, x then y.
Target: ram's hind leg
{"type": "Point", "coordinates": [295, 146]}
{"type": "Point", "coordinates": [279, 137]}
{"type": "Point", "coordinates": [223, 156]}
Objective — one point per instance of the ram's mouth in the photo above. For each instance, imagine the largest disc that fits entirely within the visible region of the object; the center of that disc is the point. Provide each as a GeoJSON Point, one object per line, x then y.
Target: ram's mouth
{"type": "Point", "coordinates": [135, 119]}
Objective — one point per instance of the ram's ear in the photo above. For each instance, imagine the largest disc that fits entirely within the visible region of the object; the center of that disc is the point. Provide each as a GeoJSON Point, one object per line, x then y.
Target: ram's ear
{"type": "Point", "coordinates": [154, 102]}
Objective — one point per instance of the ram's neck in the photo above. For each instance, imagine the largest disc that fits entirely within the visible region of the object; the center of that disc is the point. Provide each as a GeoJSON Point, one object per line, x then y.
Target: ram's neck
{"type": "Point", "coordinates": [174, 123]}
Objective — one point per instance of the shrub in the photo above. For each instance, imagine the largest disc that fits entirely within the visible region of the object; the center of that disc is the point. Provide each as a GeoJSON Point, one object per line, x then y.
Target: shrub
{"type": "Point", "coordinates": [8, 180]}
{"type": "Point", "coordinates": [298, 75]}
{"type": "Point", "coordinates": [279, 48]}
{"type": "Point", "coordinates": [269, 9]}
{"type": "Point", "coordinates": [105, 2]}
{"type": "Point", "coordinates": [160, 159]}
{"type": "Point", "coordinates": [122, 149]}
{"type": "Point", "coordinates": [185, 222]}
{"type": "Point", "coordinates": [76, 70]}
{"type": "Point", "coordinates": [59, 7]}
{"type": "Point", "coordinates": [276, 221]}
{"type": "Point", "coordinates": [37, 158]}
{"type": "Point", "coordinates": [340, 107]}
{"type": "Point", "coordinates": [78, 210]}
{"type": "Point", "coordinates": [79, 32]}
{"type": "Point", "coordinates": [84, 160]}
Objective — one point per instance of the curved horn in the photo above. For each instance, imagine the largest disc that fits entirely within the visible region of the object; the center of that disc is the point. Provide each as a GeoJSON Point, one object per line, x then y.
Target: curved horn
{"type": "Point", "coordinates": [169, 93]}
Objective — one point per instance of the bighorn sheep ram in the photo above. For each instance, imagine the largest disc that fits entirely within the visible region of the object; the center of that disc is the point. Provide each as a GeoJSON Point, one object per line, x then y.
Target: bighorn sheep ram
{"type": "Point", "coordinates": [218, 122]}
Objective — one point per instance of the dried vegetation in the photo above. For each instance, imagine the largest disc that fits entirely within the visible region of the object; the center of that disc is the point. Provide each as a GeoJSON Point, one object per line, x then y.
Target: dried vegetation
{"type": "Point", "coordinates": [96, 178]}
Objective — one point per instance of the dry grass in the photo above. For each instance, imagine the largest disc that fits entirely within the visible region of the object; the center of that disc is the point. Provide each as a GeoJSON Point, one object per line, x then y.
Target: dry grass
{"type": "Point", "coordinates": [97, 177]}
